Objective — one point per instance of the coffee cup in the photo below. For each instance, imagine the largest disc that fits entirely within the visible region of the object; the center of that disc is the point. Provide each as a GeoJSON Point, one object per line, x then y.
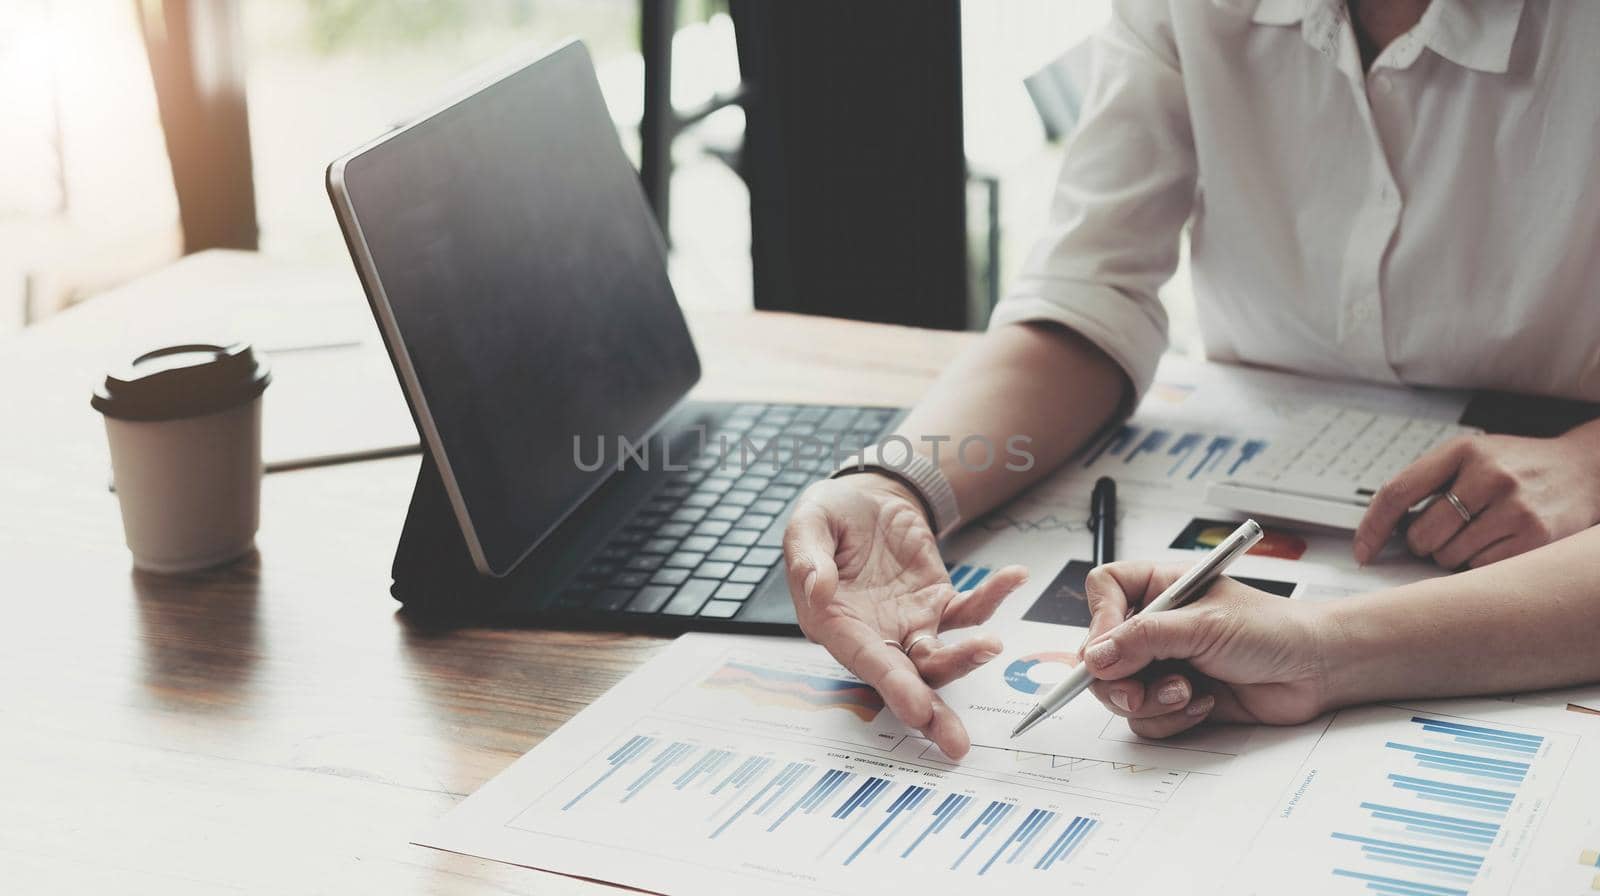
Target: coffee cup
{"type": "Point", "coordinates": [184, 426]}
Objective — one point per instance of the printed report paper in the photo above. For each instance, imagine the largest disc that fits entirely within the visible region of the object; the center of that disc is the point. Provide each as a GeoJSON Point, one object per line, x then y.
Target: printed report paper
{"type": "Point", "coordinates": [739, 764]}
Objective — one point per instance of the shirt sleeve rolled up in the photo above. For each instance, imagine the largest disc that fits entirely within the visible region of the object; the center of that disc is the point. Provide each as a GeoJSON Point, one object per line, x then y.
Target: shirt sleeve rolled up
{"type": "Point", "coordinates": [1125, 190]}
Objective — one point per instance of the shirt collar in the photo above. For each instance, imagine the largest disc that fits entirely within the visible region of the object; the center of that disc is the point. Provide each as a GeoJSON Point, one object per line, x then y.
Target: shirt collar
{"type": "Point", "coordinates": [1475, 34]}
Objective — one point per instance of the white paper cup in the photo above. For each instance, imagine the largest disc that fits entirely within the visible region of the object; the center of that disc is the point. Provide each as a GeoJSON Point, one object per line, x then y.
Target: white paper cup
{"type": "Point", "coordinates": [184, 427]}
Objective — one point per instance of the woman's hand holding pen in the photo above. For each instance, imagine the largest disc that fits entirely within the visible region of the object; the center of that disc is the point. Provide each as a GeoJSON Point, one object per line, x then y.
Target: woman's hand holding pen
{"type": "Point", "coordinates": [1235, 655]}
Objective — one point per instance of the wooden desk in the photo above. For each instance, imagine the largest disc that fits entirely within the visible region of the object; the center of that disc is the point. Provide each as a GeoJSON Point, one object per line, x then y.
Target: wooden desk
{"type": "Point", "coordinates": [276, 727]}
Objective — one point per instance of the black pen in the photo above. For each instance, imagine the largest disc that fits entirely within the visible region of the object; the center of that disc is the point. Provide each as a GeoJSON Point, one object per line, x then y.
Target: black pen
{"type": "Point", "coordinates": [1103, 520]}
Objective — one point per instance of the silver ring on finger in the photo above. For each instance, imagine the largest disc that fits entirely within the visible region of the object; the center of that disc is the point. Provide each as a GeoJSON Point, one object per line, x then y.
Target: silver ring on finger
{"type": "Point", "coordinates": [918, 640]}
{"type": "Point", "coordinates": [1466, 515]}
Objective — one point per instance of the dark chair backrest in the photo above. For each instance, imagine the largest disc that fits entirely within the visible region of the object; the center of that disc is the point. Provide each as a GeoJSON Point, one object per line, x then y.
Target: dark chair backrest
{"type": "Point", "coordinates": [854, 157]}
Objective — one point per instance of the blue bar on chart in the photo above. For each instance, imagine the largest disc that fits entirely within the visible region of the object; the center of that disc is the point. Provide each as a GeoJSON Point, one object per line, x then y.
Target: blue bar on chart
{"type": "Point", "coordinates": [1248, 453]}
{"type": "Point", "coordinates": [1432, 823]}
{"type": "Point", "coordinates": [663, 761]}
{"type": "Point", "coordinates": [779, 783]}
{"type": "Point", "coordinates": [1022, 836]}
{"type": "Point", "coordinates": [1181, 449]}
{"type": "Point", "coordinates": [708, 764]}
{"type": "Point", "coordinates": [1114, 444]}
{"type": "Point", "coordinates": [1152, 443]}
{"type": "Point", "coordinates": [991, 818]}
{"type": "Point", "coordinates": [619, 758]}
{"type": "Point", "coordinates": [813, 796]}
{"type": "Point", "coordinates": [740, 776]}
{"type": "Point", "coordinates": [1393, 886]}
{"type": "Point", "coordinates": [1479, 736]}
{"type": "Point", "coordinates": [947, 812]}
{"type": "Point", "coordinates": [1465, 763]}
{"type": "Point", "coordinates": [966, 577]}
{"type": "Point", "coordinates": [908, 801]}
{"type": "Point", "coordinates": [1073, 835]}
{"type": "Point", "coordinates": [1444, 861]}
{"type": "Point", "coordinates": [864, 795]}
{"type": "Point", "coordinates": [1495, 801]}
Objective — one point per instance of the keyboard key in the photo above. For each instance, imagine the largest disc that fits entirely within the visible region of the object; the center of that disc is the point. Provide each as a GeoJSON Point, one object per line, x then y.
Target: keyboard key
{"type": "Point", "coordinates": [837, 419]}
{"type": "Point", "coordinates": [629, 538]}
{"type": "Point", "coordinates": [753, 483]}
{"type": "Point", "coordinates": [713, 570]}
{"type": "Point", "coordinates": [645, 562]}
{"type": "Point", "coordinates": [757, 521]}
{"type": "Point", "coordinates": [650, 599]}
{"type": "Point", "coordinates": [720, 609]}
{"type": "Point", "coordinates": [630, 579]}
{"type": "Point", "coordinates": [659, 505]}
{"type": "Point", "coordinates": [734, 591]}
{"type": "Point", "coordinates": [781, 492]}
{"type": "Point", "coordinates": [685, 560]}
{"type": "Point", "coordinates": [700, 543]}
{"type": "Point", "coordinates": [745, 537]}
{"type": "Point", "coordinates": [763, 556]}
{"type": "Point", "coordinates": [687, 514]}
{"type": "Point", "coordinates": [739, 497]}
{"type": "Point", "coordinates": [811, 413]}
{"type": "Point", "coordinates": [727, 512]}
{"type": "Point", "coordinates": [613, 553]}
{"type": "Point", "coordinates": [674, 490]}
{"type": "Point", "coordinates": [713, 527]}
{"type": "Point", "coordinates": [768, 506]}
{"type": "Point", "coordinates": [670, 577]}
{"type": "Point", "coordinates": [611, 599]}
{"type": "Point", "coordinates": [673, 530]}
{"type": "Point", "coordinates": [792, 477]}
{"type": "Point", "coordinates": [700, 499]}
{"type": "Point", "coordinates": [659, 546]}
{"type": "Point", "coordinates": [717, 484]}
{"type": "Point", "coordinates": [728, 553]}
{"type": "Point", "coordinates": [773, 537]}
{"type": "Point", "coordinates": [649, 518]}
{"type": "Point", "coordinates": [751, 574]}
{"type": "Point", "coordinates": [690, 598]}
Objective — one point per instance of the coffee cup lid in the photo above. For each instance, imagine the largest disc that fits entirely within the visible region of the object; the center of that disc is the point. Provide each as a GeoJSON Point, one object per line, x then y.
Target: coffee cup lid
{"type": "Point", "coordinates": [183, 381]}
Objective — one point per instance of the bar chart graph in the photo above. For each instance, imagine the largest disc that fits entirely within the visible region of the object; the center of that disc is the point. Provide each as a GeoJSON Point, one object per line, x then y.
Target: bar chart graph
{"type": "Point", "coordinates": [1407, 803]}
{"type": "Point", "coordinates": [837, 813]}
{"type": "Point", "coordinates": [1153, 452]}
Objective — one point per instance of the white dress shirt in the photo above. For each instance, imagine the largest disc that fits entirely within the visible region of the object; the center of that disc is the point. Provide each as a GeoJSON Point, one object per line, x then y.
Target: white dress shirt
{"type": "Point", "coordinates": [1434, 221]}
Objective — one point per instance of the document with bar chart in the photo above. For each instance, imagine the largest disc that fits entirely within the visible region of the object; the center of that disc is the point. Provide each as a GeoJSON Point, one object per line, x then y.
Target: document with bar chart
{"type": "Point", "coordinates": [1459, 799]}
{"type": "Point", "coordinates": [755, 765]}
{"type": "Point", "coordinates": [729, 765]}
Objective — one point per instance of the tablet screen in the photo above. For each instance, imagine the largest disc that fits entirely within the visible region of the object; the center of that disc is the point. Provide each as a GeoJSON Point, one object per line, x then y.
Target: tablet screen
{"type": "Point", "coordinates": [526, 279]}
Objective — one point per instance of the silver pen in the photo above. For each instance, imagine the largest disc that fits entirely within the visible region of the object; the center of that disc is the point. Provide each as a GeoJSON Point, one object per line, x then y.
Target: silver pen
{"type": "Point", "coordinates": [1189, 586]}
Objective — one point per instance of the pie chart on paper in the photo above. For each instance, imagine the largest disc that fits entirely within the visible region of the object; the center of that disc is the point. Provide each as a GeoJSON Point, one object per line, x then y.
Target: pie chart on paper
{"type": "Point", "coordinates": [1033, 673]}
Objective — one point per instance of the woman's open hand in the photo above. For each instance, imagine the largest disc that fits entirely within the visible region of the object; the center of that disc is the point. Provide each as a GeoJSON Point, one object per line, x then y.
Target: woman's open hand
{"type": "Point", "coordinates": [865, 575]}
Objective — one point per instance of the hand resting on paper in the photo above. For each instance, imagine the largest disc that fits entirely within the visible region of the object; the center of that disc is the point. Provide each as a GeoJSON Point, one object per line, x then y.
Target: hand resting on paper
{"type": "Point", "coordinates": [1519, 493]}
